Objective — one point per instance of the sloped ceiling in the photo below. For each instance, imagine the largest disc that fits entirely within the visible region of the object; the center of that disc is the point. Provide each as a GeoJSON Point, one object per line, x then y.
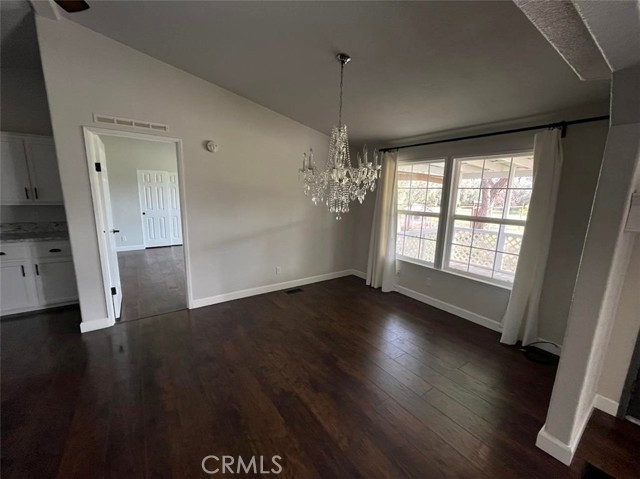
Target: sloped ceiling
{"type": "Point", "coordinates": [18, 42]}
{"type": "Point", "coordinates": [418, 67]}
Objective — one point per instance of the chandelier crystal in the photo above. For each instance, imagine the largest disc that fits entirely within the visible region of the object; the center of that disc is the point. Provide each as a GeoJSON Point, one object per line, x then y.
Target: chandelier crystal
{"type": "Point", "coordinates": [336, 182]}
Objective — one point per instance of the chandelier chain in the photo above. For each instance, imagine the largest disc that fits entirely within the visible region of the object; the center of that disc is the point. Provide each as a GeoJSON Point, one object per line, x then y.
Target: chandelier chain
{"type": "Point", "coordinates": [341, 88]}
{"type": "Point", "coordinates": [338, 182]}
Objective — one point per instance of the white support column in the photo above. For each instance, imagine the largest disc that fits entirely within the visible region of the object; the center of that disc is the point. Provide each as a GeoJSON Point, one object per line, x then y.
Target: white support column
{"type": "Point", "coordinates": [602, 269]}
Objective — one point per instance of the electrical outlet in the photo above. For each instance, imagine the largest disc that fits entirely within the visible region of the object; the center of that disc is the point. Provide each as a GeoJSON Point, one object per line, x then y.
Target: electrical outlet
{"type": "Point", "coordinates": [123, 238]}
{"type": "Point", "coordinates": [278, 270]}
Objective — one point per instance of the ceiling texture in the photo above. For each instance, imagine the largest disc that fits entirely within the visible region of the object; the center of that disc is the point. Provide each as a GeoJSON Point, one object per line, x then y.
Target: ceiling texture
{"type": "Point", "coordinates": [417, 68]}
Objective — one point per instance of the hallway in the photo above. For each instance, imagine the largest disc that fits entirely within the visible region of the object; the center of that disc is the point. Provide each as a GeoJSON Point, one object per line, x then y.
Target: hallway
{"type": "Point", "coordinates": [153, 282]}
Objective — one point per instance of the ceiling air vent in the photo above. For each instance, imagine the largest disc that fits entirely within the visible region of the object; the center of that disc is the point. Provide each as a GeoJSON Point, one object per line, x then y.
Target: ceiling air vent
{"type": "Point", "coordinates": [115, 120]}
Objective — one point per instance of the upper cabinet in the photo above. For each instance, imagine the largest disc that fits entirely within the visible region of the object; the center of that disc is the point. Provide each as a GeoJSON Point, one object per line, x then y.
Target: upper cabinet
{"type": "Point", "coordinates": [14, 172]}
{"type": "Point", "coordinates": [43, 170]}
{"type": "Point", "coordinates": [29, 171]}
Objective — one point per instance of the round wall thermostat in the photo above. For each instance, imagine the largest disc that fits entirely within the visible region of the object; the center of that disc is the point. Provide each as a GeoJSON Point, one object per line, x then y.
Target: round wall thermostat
{"type": "Point", "coordinates": [211, 146]}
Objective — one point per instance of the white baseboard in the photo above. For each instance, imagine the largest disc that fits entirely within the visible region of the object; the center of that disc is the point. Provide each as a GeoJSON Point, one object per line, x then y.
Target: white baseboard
{"type": "Point", "coordinates": [554, 447]}
{"type": "Point", "coordinates": [559, 450]}
{"type": "Point", "coordinates": [359, 274]}
{"type": "Point", "coordinates": [134, 247]}
{"type": "Point", "coordinates": [606, 405]}
{"type": "Point", "coordinates": [269, 288]}
{"type": "Point", "coordinates": [633, 420]}
{"type": "Point", "coordinates": [450, 308]}
{"type": "Point", "coordinates": [36, 309]}
{"type": "Point", "coordinates": [87, 326]}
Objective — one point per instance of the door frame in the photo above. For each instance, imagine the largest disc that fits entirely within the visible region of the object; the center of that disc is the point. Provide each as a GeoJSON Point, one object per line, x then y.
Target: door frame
{"type": "Point", "coordinates": [633, 375]}
{"type": "Point", "coordinates": [98, 201]}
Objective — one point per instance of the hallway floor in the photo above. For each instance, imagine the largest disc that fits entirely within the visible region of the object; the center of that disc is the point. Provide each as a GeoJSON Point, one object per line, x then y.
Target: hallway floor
{"type": "Point", "coordinates": [153, 282]}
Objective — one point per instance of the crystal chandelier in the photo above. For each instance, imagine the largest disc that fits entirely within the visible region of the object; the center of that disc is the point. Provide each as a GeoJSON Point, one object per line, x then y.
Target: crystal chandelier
{"type": "Point", "coordinates": [336, 183]}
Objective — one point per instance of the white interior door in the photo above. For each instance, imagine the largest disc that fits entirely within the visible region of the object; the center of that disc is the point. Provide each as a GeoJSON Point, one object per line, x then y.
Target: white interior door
{"type": "Point", "coordinates": [112, 275]}
{"type": "Point", "coordinates": [175, 220]}
{"type": "Point", "coordinates": [156, 205]}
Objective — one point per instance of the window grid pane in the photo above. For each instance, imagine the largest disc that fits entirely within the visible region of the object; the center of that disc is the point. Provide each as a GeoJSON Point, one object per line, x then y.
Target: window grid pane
{"type": "Point", "coordinates": [428, 250]}
{"type": "Point", "coordinates": [411, 246]}
{"type": "Point", "coordinates": [497, 188]}
{"type": "Point", "coordinates": [420, 186]}
{"type": "Point", "coordinates": [459, 258]}
{"type": "Point", "coordinates": [462, 233]}
{"type": "Point", "coordinates": [416, 237]}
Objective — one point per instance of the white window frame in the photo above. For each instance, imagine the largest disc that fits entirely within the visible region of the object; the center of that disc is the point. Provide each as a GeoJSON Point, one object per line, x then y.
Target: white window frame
{"type": "Point", "coordinates": [447, 215]}
{"type": "Point", "coordinates": [439, 215]}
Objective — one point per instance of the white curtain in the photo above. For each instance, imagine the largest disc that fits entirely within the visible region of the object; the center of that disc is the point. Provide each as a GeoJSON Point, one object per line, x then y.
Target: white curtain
{"type": "Point", "coordinates": [520, 320]}
{"type": "Point", "coordinates": [381, 268]}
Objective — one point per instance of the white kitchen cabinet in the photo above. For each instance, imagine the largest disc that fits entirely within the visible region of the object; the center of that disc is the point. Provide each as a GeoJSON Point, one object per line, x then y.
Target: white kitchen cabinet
{"type": "Point", "coordinates": [29, 170]}
{"type": "Point", "coordinates": [16, 288]}
{"type": "Point", "coordinates": [55, 281]}
{"type": "Point", "coordinates": [14, 172]}
{"type": "Point", "coordinates": [43, 170]}
{"type": "Point", "coordinates": [35, 275]}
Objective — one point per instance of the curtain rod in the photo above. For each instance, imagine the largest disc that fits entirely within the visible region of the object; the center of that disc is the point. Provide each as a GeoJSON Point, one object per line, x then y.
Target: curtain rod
{"type": "Point", "coordinates": [560, 124]}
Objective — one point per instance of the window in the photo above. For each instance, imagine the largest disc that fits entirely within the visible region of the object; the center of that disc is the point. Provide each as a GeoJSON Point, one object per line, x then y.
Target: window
{"type": "Point", "coordinates": [419, 200]}
{"type": "Point", "coordinates": [483, 205]}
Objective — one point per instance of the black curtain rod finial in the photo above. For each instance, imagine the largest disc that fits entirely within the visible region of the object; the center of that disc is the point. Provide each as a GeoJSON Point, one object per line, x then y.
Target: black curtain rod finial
{"type": "Point", "coordinates": [563, 129]}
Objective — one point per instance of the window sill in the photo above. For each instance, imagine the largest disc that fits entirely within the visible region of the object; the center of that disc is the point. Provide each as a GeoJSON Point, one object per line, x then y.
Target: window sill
{"type": "Point", "coordinates": [459, 274]}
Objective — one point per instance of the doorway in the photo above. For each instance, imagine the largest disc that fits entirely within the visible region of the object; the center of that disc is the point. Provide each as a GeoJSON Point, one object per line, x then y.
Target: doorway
{"type": "Point", "coordinates": [630, 401]}
{"type": "Point", "coordinates": [136, 186]}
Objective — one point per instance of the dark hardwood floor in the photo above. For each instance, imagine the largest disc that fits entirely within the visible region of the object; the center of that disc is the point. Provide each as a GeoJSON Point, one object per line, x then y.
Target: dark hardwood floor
{"type": "Point", "coordinates": [153, 282]}
{"type": "Point", "coordinates": [611, 445]}
{"type": "Point", "coordinates": [339, 380]}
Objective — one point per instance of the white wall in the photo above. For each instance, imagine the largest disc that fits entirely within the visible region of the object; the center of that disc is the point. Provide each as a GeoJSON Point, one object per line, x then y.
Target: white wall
{"type": "Point", "coordinates": [125, 156]}
{"type": "Point", "coordinates": [244, 205]}
{"type": "Point", "coordinates": [624, 334]}
{"type": "Point", "coordinates": [583, 149]}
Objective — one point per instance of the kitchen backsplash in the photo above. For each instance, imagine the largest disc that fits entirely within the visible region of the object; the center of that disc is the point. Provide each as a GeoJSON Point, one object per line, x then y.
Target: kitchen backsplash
{"type": "Point", "coordinates": [32, 213]}
{"type": "Point", "coordinates": [41, 227]}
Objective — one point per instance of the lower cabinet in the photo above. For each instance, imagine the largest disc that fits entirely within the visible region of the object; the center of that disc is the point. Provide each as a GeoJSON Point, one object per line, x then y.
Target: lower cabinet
{"type": "Point", "coordinates": [34, 277]}
{"type": "Point", "coordinates": [55, 281]}
{"type": "Point", "coordinates": [16, 288]}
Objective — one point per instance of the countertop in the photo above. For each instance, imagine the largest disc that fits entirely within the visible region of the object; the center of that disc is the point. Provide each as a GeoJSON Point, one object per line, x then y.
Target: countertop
{"type": "Point", "coordinates": [28, 237]}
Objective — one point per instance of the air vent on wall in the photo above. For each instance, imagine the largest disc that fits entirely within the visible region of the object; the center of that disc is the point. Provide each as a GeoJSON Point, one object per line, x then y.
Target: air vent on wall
{"type": "Point", "coordinates": [114, 120]}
